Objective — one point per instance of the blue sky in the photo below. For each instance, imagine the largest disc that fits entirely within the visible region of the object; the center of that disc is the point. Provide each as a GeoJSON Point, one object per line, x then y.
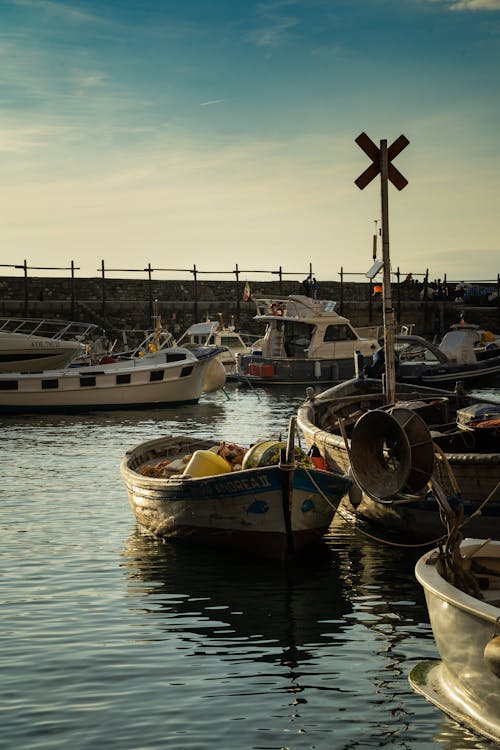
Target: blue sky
{"type": "Point", "coordinates": [222, 133]}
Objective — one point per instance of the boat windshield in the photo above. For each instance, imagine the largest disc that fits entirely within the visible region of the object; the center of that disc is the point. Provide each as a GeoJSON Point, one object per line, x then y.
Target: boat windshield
{"type": "Point", "coordinates": [340, 332]}
{"type": "Point", "coordinates": [296, 339]}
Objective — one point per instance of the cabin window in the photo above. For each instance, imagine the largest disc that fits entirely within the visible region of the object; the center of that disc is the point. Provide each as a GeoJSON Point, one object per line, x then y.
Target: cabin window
{"type": "Point", "coordinates": [156, 375]}
{"type": "Point", "coordinates": [339, 333]}
{"type": "Point", "coordinates": [9, 385]}
{"type": "Point", "coordinates": [87, 382]}
{"type": "Point", "coordinates": [186, 371]}
{"type": "Point", "coordinates": [123, 379]}
{"type": "Point", "coordinates": [232, 341]}
{"type": "Point", "coordinates": [177, 357]}
{"type": "Point", "coordinates": [50, 383]}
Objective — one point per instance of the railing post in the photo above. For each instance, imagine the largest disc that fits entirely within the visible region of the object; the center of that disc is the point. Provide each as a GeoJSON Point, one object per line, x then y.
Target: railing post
{"type": "Point", "coordinates": [426, 301]}
{"type": "Point", "coordinates": [341, 302]}
{"type": "Point", "coordinates": [370, 301]}
{"type": "Point", "coordinates": [72, 290]}
{"type": "Point", "coordinates": [280, 277]}
{"type": "Point", "coordinates": [195, 306]}
{"type": "Point", "coordinates": [25, 269]}
{"type": "Point", "coordinates": [150, 291]}
{"type": "Point", "coordinates": [237, 293]}
{"type": "Point", "coordinates": [103, 291]}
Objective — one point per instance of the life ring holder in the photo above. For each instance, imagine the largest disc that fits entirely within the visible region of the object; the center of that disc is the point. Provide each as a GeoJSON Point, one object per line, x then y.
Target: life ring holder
{"type": "Point", "coordinates": [277, 309]}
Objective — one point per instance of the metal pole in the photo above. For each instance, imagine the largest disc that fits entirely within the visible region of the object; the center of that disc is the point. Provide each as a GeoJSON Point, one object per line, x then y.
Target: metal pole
{"type": "Point", "coordinates": [388, 311]}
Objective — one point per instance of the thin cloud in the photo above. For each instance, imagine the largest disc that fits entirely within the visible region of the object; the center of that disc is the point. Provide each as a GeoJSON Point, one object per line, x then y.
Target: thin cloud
{"type": "Point", "coordinates": [275, 27]}
{"type": "Point", "coordinates": [487, 5]}
{"type": "Point", "coordinates": [211, 102]}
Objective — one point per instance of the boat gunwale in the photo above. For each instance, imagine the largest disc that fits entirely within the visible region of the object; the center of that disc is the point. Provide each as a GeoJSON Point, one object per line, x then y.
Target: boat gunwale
{"type": "Point", "coordinates": [433, 582]}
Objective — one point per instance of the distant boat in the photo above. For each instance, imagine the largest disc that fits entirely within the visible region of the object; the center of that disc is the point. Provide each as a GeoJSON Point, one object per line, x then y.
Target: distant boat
{"type": "Point", "coordinates": [187, 488]}
{"type": "Point", "coordinates": [462, 590]}
{"type": "Point", "coordinates": [33, 344]}
{"type": "Point", "coordinates": [461, 355]}
{"type": "Point", "coordinates": [215, 333]}
{"type": "Point", "coordinates": [305, 342]}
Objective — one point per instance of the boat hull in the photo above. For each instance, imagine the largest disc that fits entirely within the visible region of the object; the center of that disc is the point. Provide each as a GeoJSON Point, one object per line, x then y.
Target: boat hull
{"type": "Point", "coordinates": [242, 511]}
{"type": "Point", "coordinates": [460, 683]}
{"type": "Point", "coordinates": [285, 371]}
{"type": "Point", "coordinates": [125, 384]}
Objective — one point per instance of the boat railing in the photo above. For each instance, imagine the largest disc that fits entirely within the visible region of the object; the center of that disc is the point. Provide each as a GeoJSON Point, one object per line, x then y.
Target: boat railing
{"type": "Point", "coordinates": [53, 329]}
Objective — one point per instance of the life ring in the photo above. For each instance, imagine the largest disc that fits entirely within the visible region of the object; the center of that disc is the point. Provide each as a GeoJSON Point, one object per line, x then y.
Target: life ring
{"type": "Point", "coordinates": [277, 309]}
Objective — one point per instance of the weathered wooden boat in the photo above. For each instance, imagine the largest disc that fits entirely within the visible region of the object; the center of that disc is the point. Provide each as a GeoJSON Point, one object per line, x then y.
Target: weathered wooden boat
{"type": "Point", "coordinates": [305, 341]}
{"type": "Point", "coordinates": [35, 344]}
{"type": "Point", "coordinates": [465, 432]}
{"type": "Point", "coordinates": [170, 376]}
{"type": "Point", "coordinates": [193, 489]}
{"type": "Point", "coordinates": [463, 600]}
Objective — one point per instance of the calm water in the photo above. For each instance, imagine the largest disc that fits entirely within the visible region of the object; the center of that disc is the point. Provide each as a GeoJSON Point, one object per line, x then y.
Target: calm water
{"type": "Point", "coordinates": [112, 640]}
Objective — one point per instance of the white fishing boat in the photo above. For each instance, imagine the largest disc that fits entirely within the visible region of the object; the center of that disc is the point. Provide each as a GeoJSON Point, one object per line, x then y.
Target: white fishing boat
{"type": "Point", "coordinates": [264, 500]}
{"type": "Point", "coordinates": [305, 341]}
{"type": "Point", "coordinates": [462, 591]}
{"type": "Point", "coordinates": [215, 333]}
{"type": "Point", "coordinates": [33, 344]}
{"type": "Point", "coordinates": [171, 375]}
{"type": "Point", "coordinates": [465, 431]}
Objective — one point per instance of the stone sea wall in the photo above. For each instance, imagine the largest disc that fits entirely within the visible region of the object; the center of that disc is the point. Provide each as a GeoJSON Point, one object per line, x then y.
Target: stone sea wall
{"type": "Point", "coordinates": [118, 305]}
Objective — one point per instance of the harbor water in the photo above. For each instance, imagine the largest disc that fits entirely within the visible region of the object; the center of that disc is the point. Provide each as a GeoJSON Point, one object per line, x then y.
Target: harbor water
{"type": "Point", "coordinates": [113, 640]}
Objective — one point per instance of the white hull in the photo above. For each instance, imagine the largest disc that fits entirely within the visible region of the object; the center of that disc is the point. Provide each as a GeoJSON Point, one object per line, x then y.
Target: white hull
{"type": "Point", "coordinates": [23, 353]}
{"type": "Point", "coordinates": [151, 380]}
{"type": "Point", "coordinates": [461, 683]}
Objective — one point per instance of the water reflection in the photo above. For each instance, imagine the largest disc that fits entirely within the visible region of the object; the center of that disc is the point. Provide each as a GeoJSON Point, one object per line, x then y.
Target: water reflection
{"type": "Point", "coordinates": [216, 601]}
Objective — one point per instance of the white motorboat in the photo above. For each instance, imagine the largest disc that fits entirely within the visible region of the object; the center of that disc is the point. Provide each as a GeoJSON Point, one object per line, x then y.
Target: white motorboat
{"type": "Point", "coordinates": [215, 333]}
{"type": "Point", "coordinates": [305, 342]}
{"type": "Point", "coordinates": [462, 355]}
{"type": "Point", "coordinates": [171, 375]}
{"type": "Point", "coordinates": [463, 599]}
{"type": "Point", "coordinates": [32, 345]}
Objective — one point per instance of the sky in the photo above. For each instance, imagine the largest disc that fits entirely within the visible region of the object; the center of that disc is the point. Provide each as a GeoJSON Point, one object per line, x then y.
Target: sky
{"type": "Point", "coordinates": [221, 134]}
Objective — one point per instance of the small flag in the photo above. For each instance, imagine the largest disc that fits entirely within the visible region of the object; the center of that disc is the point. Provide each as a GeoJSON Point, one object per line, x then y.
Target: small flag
{"type": "Point", "coordinates": [246, 292]}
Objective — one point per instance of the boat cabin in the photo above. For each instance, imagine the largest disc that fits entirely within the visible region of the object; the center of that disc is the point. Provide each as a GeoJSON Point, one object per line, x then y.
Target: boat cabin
{"type": "Point", "coordinates": [305, 328]}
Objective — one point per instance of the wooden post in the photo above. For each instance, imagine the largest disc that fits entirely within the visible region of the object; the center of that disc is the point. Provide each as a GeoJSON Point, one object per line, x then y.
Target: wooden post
{"type": "Point", "coordinates": [388, 311]}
